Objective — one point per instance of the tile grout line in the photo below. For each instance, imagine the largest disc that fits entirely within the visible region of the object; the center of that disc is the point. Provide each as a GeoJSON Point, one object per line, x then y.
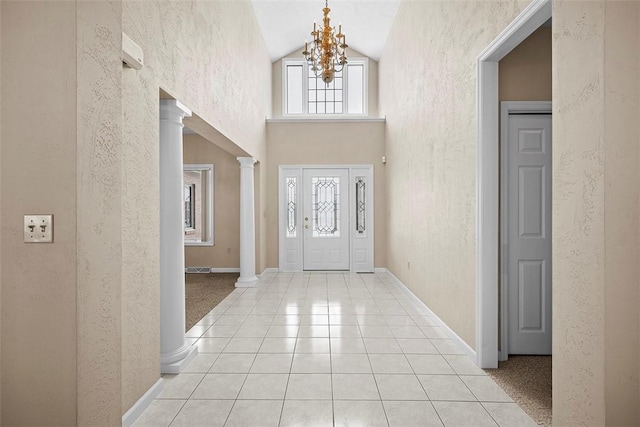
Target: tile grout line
{"type": "Point", "coordinates": [333, 411]}
{"type": "Point", "coordinates": [286, 390]}
{"type": "Point", "coordinates": [201, 379]}
{"type": "Point", "coordinates": [178, 413]}
{"type": "Point", "coordinates": [247, 374]}
{"type": "Point", "coordinates": [375, 380]}
{"type": "Point", "coordinates": [363, 290]}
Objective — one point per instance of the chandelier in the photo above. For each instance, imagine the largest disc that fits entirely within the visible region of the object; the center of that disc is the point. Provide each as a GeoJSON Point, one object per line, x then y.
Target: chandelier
{"type": "Point", "coordinates": [327, 53]}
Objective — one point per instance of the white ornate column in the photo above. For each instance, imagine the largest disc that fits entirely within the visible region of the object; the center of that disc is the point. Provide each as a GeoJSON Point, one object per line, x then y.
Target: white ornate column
{"type": "Point", "coordinates": [175, 353]}
{"type": "Point", "coordinates": [247, 225]}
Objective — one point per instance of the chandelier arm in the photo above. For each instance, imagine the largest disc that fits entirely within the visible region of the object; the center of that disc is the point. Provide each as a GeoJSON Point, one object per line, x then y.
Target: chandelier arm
{"type": "Point", "coordinates": [326, 54]}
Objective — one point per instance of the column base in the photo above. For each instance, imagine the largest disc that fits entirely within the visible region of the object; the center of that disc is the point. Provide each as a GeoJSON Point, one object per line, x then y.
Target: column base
{"type": "Point", "coordinates": [247, 282]}
{"type": "Point", "coordinates": [176, 366]}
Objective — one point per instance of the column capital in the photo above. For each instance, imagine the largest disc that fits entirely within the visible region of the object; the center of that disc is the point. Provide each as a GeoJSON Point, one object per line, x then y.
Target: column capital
{"type": "Point", "coordinates": [171, 109]}
{"type": "Point", "coordinates": [246, 162]}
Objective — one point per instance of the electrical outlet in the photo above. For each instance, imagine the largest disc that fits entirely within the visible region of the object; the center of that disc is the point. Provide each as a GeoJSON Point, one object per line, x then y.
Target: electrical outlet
{"type": "Point", "coordinates": [408, 265]}
{"type": "Point", "coordinates": [38, 228]}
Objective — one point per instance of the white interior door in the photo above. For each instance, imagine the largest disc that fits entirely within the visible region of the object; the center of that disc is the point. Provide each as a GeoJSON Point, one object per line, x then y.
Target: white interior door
{"type": "Point", "coordinates": [529, 234]}
{"type": "Point", "coordinates": [326, 219]}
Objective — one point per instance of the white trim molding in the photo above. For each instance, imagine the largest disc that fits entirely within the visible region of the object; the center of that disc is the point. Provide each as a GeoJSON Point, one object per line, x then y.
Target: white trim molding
{"type": "Point", "coordinates": [207, 203]}
{"type": "Point", "coordinates": [329, 119]}
{"type": "Point", "coordinates": [487, 170]}
{"type": "Point", "coordinates": [143, 403]}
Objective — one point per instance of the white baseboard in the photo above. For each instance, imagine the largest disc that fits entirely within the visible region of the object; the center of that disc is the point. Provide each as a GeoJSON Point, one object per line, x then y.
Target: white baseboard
{"type": "Point", "coordinates": [459, 341]}
{"type": "Point", "coordinates": [382, 270]}
{"type": "Point", "coordinates": [143, 403]}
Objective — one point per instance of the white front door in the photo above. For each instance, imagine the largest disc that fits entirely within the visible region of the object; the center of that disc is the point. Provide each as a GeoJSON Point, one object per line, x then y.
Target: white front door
{"type": "Point", "coordinates": [325, 219]}
{"type": "Point", "coordinates": [529, 233]}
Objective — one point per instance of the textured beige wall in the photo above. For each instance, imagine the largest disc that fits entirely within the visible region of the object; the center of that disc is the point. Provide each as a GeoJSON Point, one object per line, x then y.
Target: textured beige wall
{"type": "Point", "coordinates": [99, 199]}
{"type": "Point", "coordinates": [622, 232]}
{"type": "Point", "coordinates": [260, 200]}
{"type": "Point", "coordinates": [226, 205]}
{"type": "Point", "coordinates": [140, 244]}
{"type": "Point", "coordinates": [578, 213]}
{"type": "Point", "coordinates": [428, 93]}
{"type": "Point", "coordinates": [39, 176]}
{"type": "Point", "coordinates": [372, 100]}
{"type": "Point", "coordinates": [1, 209]}
{"type": "Point", "coordinates": [291, 143]}
{"type": "Point", "coordinates": [525, 73]}
{"type": "Point", "coordinates": [1, 227]}
{"type": "Point", "coordinates": [596, 240]}
{"type": "Point", "coordinates": [596, 231]}
{"type": "Point", "coordinates": [198, 52]}
{"type": "Point", "coordinates": [99, 175]}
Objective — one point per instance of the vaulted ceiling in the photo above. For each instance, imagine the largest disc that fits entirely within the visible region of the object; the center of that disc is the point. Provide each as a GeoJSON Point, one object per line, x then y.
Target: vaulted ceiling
{"type": "Point", "coordinates": [286, 24]}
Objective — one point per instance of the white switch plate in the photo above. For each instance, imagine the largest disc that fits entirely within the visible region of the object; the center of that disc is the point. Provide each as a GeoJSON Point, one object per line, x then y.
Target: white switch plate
{"type": "Point", "coordinates": [38, 228]}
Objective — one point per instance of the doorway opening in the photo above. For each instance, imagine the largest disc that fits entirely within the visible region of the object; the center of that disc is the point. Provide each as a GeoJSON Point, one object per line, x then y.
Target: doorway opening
{"type": "Point", "coordinates": [514, 220]}
{"type": "Point", "coordinates": [488, 189]}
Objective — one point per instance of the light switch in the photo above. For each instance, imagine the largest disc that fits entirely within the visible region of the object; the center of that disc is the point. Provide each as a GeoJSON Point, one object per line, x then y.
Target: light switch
{"type": "Point", "coordinates": [38, 228]}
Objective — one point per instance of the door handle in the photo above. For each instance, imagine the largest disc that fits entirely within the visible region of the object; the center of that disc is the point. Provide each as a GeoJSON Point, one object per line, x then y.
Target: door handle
{"type": "Point", "coordinates": [306, 218]}
{"type": "Point", "coordinates": [306, 226]}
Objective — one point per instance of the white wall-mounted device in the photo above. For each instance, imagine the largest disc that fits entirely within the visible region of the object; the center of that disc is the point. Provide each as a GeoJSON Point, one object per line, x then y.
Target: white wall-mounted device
{"type": "Point", "coordinates": [132, 54]}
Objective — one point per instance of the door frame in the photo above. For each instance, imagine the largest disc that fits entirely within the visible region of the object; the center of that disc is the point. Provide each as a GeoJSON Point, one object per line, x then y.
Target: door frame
{"type": "Point", "coordinates": [507, 108]}
{"type": "Point", "coordinates": [487, 171]}
{"type": "Point", "coordinates": [366, 242]}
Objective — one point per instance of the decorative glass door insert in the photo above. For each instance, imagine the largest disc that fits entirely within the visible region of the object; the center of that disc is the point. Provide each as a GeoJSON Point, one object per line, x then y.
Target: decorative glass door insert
{"type": "Point", "coordinates": [325, 192]}
{"type": "Point", "coordinates": [361, 204]}
{"type": "Point", "coordinates": [326, 219]}
{"type": "Point", "coordinates": [292, 206]}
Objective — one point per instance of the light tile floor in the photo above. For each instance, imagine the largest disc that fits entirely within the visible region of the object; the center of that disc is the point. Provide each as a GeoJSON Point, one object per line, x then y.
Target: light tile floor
{"type": "Point", "coordinates": [323, 349]}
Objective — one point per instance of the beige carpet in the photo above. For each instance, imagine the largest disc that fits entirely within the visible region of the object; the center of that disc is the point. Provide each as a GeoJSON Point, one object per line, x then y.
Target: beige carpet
{"type": "Point", "coordinates": [527, 380]}
{"type": "Point", "coordinates": [204, 292]}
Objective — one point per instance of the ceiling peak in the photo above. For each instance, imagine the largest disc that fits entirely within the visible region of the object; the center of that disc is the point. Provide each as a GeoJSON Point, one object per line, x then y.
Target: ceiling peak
{"type": "Point", "coordinates": [286, 24]}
